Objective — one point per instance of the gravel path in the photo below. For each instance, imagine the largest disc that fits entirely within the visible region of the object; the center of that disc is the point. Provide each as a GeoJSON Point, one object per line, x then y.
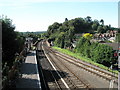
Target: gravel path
{"type": "Point", "coordinates": [30, 77]}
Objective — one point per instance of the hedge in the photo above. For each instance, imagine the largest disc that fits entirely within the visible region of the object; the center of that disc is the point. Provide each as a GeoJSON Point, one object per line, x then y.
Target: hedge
{"type": "Point", "coordinates": [98, 52]}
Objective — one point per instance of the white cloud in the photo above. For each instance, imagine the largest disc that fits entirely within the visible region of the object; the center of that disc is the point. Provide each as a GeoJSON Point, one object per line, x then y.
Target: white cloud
{"type": "Point", "coordinates": [30, 26]}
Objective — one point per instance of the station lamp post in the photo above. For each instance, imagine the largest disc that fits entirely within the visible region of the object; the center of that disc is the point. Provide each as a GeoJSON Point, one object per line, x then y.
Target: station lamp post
{"type": "Point", "coordinates": [119, 47]}
{"type": "Point", "coordinates": [119, 69]}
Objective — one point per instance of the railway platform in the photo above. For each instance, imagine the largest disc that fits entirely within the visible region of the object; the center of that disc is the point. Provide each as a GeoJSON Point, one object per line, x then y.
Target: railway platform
{"type": "Point", "coordinates": [30, 75]}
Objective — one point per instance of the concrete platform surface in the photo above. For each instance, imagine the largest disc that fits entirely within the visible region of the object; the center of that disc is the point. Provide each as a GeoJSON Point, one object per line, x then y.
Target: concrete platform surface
{"type": "Point", "coordinates": [30, 76]}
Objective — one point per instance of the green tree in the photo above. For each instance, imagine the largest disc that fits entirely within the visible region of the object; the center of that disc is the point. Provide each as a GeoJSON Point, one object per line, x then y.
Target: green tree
{"type": "Point", "coordinates": [103, 54]}
{"type": "Point", "coordinates": [66, 19]}
{"type": "Point", "coordinates": [71, 33]}
{"type": "Point", "coordinates": [53, 28]}
{"type": "Point", "coordinates": [88, 19]}
{"type": "Point", "coordinates": [105, 28]}
{"type": "Point", "coordinates": [11, 41]}
{"type": "Point", "coordinates": [99, 53]}
{"type": "Point", "coordinates": [8, 40]}
{"type": "Point", "coordinates": [100, 29]}
{"type": "Point", "coordinates": [96, 22]}
{"type": "Point", "coordinates": [60, 40]}
{"type": "Point", "coordinates": [117, 39]}
{"type": "Point", "coordinates": [80, 45]}
{"type": "Point", "coordinates": [86, 51]}
{"type": "Point", "coordinates": [102, 21]}
{"type": "Point", "coordinates": [20, 39]}
{"type": "Point", "coordinates": [94, 26]}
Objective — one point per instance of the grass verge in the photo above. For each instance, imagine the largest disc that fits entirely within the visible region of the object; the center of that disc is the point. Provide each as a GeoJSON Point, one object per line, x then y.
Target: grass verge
{"type": "Point", "coordinates": [77, 55]}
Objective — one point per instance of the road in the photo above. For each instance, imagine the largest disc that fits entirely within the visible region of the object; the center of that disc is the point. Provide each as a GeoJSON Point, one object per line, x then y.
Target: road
{"type": "Point", "coordinates": [59, 73]}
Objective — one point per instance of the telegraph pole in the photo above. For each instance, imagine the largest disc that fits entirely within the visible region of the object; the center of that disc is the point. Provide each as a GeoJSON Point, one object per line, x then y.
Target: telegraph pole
{"type": "Point", "coordinates": [119, 47]}
{"type": "Point", "coordinates": [119, 69]}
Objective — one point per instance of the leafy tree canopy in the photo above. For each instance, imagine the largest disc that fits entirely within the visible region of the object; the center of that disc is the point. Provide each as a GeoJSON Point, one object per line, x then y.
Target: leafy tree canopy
{"type": "Point", "coordinates": [12, 41]}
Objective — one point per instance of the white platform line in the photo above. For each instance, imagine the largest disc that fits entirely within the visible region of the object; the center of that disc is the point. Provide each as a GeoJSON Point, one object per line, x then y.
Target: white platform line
{"type": "Point", "coordinates": [56, 70]}
{"type": "Point", "coordinates": [37, 72]}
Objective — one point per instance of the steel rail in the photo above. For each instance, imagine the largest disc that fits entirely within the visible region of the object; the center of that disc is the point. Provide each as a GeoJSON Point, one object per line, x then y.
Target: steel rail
{"type": "Point", "coordinates": [56, 82]}
{"type": "Point", "coordinates": [40, 69]}
{"type": "Point", "coordinates": [90, 69]}
{"type": "Point", "coordinates": [91, 66]}
{"type": "Point", "coordinates": [86, 85]}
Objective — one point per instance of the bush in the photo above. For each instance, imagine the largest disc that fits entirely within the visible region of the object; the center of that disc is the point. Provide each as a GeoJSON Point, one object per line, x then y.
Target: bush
{"type": "Point", "coordinates": [99, 53]}
{"type": "Point", "coordinates": [103, 54]}
{"type": "Point", "coordinates": [60, 40]}
{"type": "Point", "coordinates": [87, 48]}
{"type": "Point", "coordinates": [12, 42]}
{"type": "Point", "coordinates": [83, 47]}
{"type": "Point", "coordinates": [88, 36]}
{"type": "Point", "coordinates": [92, 49]}
{"type": "Point", "coordinates": [117, 39]}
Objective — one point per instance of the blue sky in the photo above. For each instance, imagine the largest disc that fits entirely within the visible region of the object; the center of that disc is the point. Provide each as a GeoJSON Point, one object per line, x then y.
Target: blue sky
{"type": "Point", "coordinates": [37, 15]}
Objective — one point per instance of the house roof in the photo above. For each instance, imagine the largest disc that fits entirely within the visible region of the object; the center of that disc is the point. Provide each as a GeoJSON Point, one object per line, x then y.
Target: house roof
{"type": "Point", "coordinates": [114, 45]}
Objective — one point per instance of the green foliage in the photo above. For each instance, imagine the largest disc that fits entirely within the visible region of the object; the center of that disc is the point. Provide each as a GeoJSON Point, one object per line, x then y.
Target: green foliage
{"type": "Point", "coordinates": [92, 48]}
{"type": "Point", "coordinates": [105, 28]}
{"type": "Point", "coordinates": [77, 25]}
{"type": "Point", "coordinates": [63, 36]}
{"type": "Point", "coordinates": [66, 19]}
{"type": "Point", "coordinates": [12, 41]}
{"type": "Point", "coordinates": [8, 40]}
{"type": "Point", "coordinates": [83, 47]}
{"type": "Point", "coordinates": [88, 19]}
{"type": "Point", "coordinates": [103, 54]}
{"type": "Point", "coordinates": [73, 26]}
{"type": "Point", "coordinates": [99, 53]}
{"type": "Point", "coordinates": [94, 26]}
{"type": "Point", "coordinates": [53, 28]}
{"type": "Point", "coordinates": [100, 29]}
{"type": "Point", "coordinates": [33, 35]}
{"type": "Point", "coordinates": [20, 39]}
{"type": "Point", "coordinates": [117, 39]}
{"type": "Point", "coordinates": [60, 40]}
{"type": "Point", "coordinates": [102, 21]}
{"type": "Point", "coordinates": [78, 56]}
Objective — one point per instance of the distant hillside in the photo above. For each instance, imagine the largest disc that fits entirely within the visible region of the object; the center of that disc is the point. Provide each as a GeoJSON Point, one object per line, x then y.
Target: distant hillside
{"type": "Point", "coordinates": [40, 32]}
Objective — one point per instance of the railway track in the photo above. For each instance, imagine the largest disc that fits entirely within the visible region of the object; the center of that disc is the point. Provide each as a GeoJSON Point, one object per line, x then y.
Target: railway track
{"type": "Point", "coordinates": [50, 75]}
{"type": "Point", "coordinates": [88, 67]}
{"type": "Point", "coordinates": [72, 80]}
